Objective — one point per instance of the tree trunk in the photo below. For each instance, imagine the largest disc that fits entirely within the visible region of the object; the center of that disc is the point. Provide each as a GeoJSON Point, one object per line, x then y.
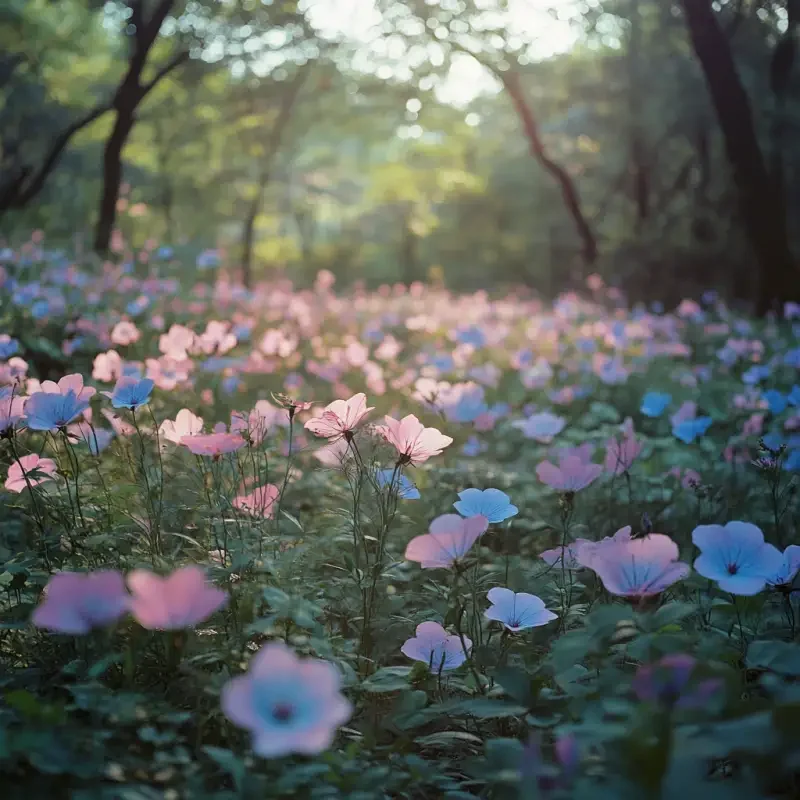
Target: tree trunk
{"type": "Point", "coordinates": [569, 192]}
{"type": "Point", "coordinates": [249, 230]}
{"type": "Point", "coordinates": [763, 212]}
{"type": "Point", "coordinates": [112, 176]}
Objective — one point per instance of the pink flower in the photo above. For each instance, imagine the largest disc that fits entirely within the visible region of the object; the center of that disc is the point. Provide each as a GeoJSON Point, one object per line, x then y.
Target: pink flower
{"type": "Point", "coordinates": [686, 412]}
{"type": "Point", "coordinates": [340, 418]}
{"type": "Point", "coordinates": [107, 367]}
{"type": "Point", "coordinates": [289, 705]}
{"type": "Point", "coordinates": [414, 442]}
{"type": "Point", "coordinates": [12, 407]}
{"type": "Point", "coordinates": [121, 427]}
{"type": "Point", "coordinates": [185, 424]}
{"type": "Point", "coordinates": [571, 475]}
{"type": "Point", "coordinates": [76, 602]}
{"type": "Point", "coordinates": [36, 470]}
{"type": "Point", "coordinates": [125, 333]}
{"type": "Point", "coordinates": [181, 600]}
{"type": "Point", "coordinates": [640, 567]}
{"type": "Point", "coordinates": [260, 502]}
{"type": "Point", "coordinates": [448, 540]}
{"type": "Point", "coordinates": [335, 455]}
{"type": "Point", "coordinates": [587, 550]}
{"type": "Point", "coordinates": [621, 453]}
{"type": "Point", "coordinates": [689, 478]}
{"type": "Point", "coordinates": [552, 557]}
{"type": "Point", "coordinates": [213, 444]}
{"type": "Point", "coordinates": [435, 647]}
{"type": "Point", "coordinates": [69, 383]}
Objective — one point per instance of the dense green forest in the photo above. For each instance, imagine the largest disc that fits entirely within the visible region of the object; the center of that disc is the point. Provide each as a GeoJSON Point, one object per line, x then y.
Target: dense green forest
{"type": "Point", "coordinates": [653, 142]}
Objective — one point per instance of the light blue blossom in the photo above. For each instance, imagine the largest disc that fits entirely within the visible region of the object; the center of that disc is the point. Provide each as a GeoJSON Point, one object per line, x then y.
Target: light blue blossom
{"type": "Point", "coordinates": [776, 401]}
{"type": "Point", "coordinates": [794, 396]}
{"type": "Point", "coordinates": [46, 411]}
{"type": "Point", "coordinates": [130, 393]}
{"type": "Point", "coordinates": [690, 429]}
{"type": "Point", "coordinates": [756, 374]}
{"type": "Point", "coordinates": [491, 503]}
{"type": "Point", "coordinates": [406, 490]}
{"type": "Point", "coordinates": [517, 610]}
{"type": "Point", "coordinates": [654, 404]}
{"type": "Point", "coordinates": [736, 557]}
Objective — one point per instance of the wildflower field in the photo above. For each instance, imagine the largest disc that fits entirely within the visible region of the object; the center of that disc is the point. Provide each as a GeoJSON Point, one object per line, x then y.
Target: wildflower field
{"type": "Point", "coordinates": [401, 543]}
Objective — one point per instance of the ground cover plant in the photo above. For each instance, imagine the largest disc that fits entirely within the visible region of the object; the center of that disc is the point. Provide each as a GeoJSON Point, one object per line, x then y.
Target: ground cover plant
{"type": "Point", "coordinates": [280, 542]}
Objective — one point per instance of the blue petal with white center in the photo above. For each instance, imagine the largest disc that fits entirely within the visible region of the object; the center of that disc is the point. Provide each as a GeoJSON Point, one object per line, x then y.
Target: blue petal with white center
{"type": "Point", "coordinates": [493, 504]}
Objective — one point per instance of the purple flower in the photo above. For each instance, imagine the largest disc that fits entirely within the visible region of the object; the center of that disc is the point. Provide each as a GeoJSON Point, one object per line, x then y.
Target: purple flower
{"type": "Point", "coordinates": [76, 602]}
{"type": "Point", "coordinates": [664, 682]}
{"type": "Point", "coordinates": [435, 647]}
{"type": "Point", "coordinates": [517, 610]}
{"type": "Point", "coordinates": [130, 392]}
{"type": "Point", "coordinates": [736, 557]}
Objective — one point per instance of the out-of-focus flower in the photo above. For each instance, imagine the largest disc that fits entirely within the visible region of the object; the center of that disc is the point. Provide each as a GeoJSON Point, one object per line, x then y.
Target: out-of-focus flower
{"type": "Point", "coordinates": [571, 475]}
{"type": "Point", "coordinates": [76, 602]}
{"type": "Point", "coordinates": [289, 705]}
{"type": "Point", "coordinates": [29, 470]}
{"type": "Point", "coordinates": [654, 404]}
{"type": "Point", "coordinates": [180, 600]}
{"type": "Point", "coordinates": [542, 427]}
{"type": "Point", "coordinates": [621, 453]}
{"type": "Point", "coordinates": [213, 444]}
{"type": "Point", "coordinates": [12, 409]}
{"type": "Point", "coordinates": [788, 569]}
{"type": "Point", "coordinates": [405, 489]}
{"type": "Point", "coordinates": [665, 683]}
{"type": "Point", "coordinates": [736, 557]}
{"type": "Point", "coordinates": [493, 504]}
{"type": "Point", "coordinates": [414, 442]}
{"type": "Point", "coordinates": [125, 333]}
{"type": "Point", "coordinates": [260, 502]}
{"type": "Point", "coordinates": [340, 418]}
{"type": "Point", "coordinates": [436, 648]}
{"type": "Point", "coordinates": [517, 610]}
{"type": "Point", "coordinates": [448, 540]}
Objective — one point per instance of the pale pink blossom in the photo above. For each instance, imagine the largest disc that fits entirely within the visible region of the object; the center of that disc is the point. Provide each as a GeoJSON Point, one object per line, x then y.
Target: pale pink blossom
{"type": "Point", "coordinates": [213, 444]}
{"type": "Point", "coordinates": [176, 342]}
{"type": "Point", "coordinates": [448, 540]}
{"type": "Point", "coordinates": [413, 441]}
{"type": "Point", "coordinates": [125, 333]}
{"type": "Point", "coordinates": [571, 475]}
{"type": "Point", "coordinates": [621, 453]}
{"type": "Point", "coordinates": [340, 418]}
{"type": "Point", "coordinates": [260, 502]}
{"type": "Point", "coordinates": [29, 470]}
{"type": "Point", "coordinates": [107, 367]}
{"type": "Point", "coordinates": [69, 384]}
{"type": "Point", "coordinates": [587, 550]}
{"type": "Point", "coordinates": [185, 423]}
{"type": "Point", "coordinates": [180, 600]}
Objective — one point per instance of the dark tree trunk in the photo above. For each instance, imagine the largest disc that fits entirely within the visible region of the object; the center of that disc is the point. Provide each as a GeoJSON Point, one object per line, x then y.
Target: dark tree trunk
{"type": "Point", "coordinates": [569, 192]}
{"type": "Point", "coordinates": [112, 176]}
{"type": "Point", "coordinates": [129, 95]}
{"type": "Point", "coordinates": [249, 230]}
{"type": "Point", "coordinates": [762, 209]}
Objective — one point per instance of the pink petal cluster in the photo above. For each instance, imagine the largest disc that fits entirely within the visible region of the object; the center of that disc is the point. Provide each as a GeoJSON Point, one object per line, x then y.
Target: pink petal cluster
{"type": "Point", "coordinates": [413, 441]}
{"type": "Point", "coordinates": [213, 444]}
{"type": "Point", "coordinates": [448, 540]}
{"type": "Point", "coordinates": [340, 418]}
{"type": "Point", "coordinates": [29, 470]}
{"type": "Point", "coordinates": [260, 502]}
{"type": "Point", "coordinates": [181, 600]}
{"type": "Point", "coordinates": [185, 424]}
{"type": "Point", "coordinates": [571, 475]}
{"type": "Point", "coordinates": [622, 452]}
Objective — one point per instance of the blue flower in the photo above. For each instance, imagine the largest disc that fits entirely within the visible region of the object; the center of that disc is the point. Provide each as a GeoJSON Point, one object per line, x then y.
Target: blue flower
{"type": "Point", "coordinates": [46, 411]}
{"type": "Point", "coordinates": [490, 503]}
{"type": "Point", "coordinates": [473, 446]}
{"type": "Point", "coordinates": [776, 401]}
{"type": "Point", "coordinates": [405, 488]}
{"type": "Point", "coordinates": [756, 374]}
{"type": "Point", "coordinates": [691, 429]}
{"type": "Point", "coordinates": [792, 463]}
{"type": "Point", "coordinates": [654, 404]}
{"type": "Point", "coordinates": [8, 346]}
{"type": "Point", "coordinates": [472, 335]}
{"type": "Point", "coordinates": [794, 396]}
{"type": "Point", "coordinates": [130, 393]}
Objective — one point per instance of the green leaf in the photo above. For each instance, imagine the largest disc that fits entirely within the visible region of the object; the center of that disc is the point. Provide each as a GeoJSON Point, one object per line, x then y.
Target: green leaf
{"type": "Point", "coordinates": [448, 739]}
{"type": "Point", "coordinates": [484, 708]}
{"type": "Point", "coordinates": [780, 657]}
{"type": "Point", "coordinates": [388, 679]}
{"type": "Point", "coordinates": [229, 763]}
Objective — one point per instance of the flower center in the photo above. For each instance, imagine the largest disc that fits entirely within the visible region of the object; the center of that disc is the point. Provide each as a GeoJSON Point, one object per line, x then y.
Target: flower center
{"type": "Point", "coordinates": [733, 569]}
{"type": "Point", "coordinates": [282, 712]}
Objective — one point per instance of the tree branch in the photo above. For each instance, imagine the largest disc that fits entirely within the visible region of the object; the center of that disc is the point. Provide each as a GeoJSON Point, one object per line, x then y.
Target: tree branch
{"type": "Point", "coordinates": [177, 59]}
